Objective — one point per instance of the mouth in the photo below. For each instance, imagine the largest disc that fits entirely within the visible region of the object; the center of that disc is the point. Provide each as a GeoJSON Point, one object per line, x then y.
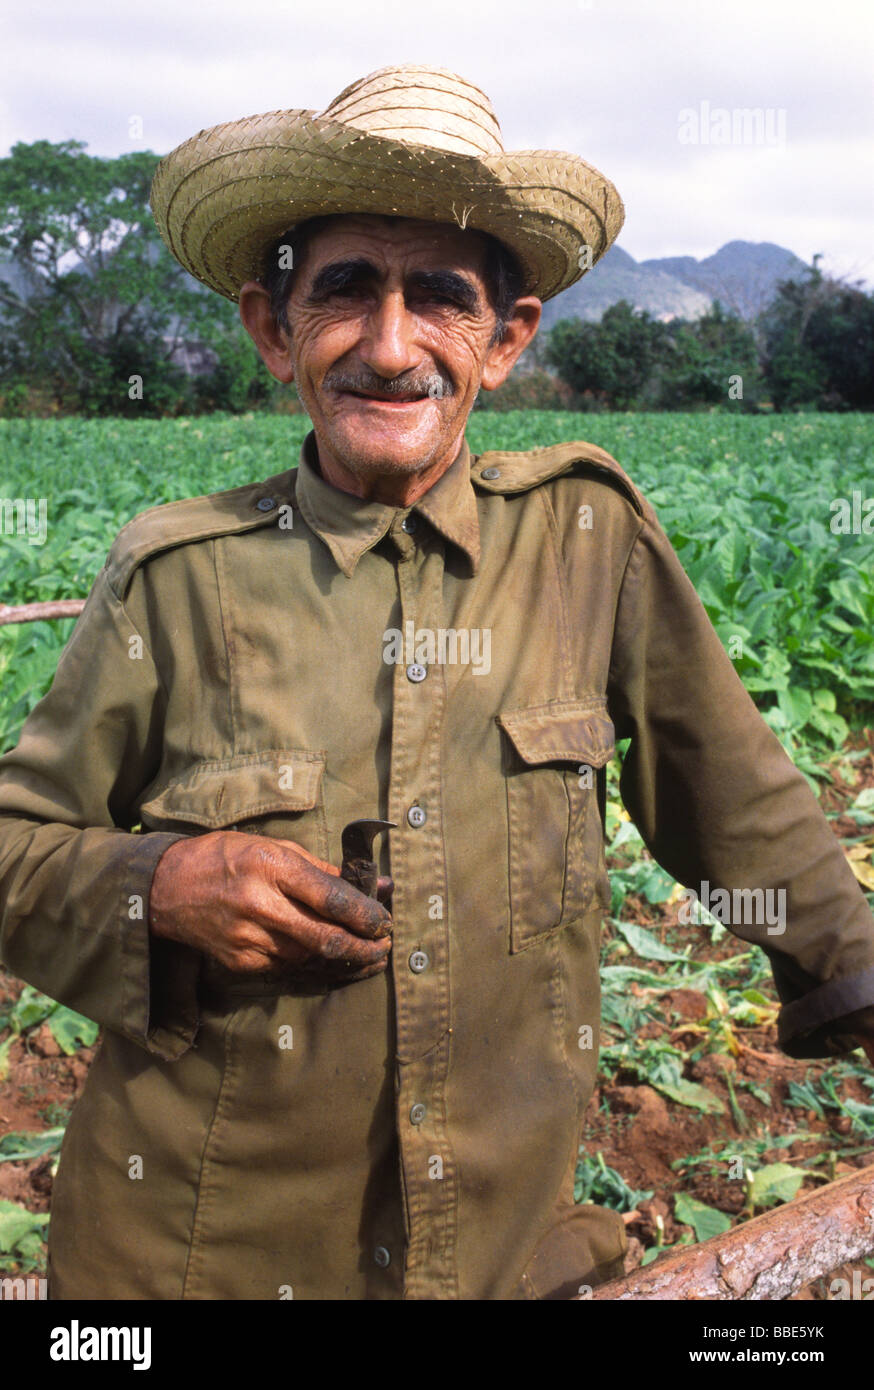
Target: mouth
{"type": "Point", "coordinates": [393, 401]}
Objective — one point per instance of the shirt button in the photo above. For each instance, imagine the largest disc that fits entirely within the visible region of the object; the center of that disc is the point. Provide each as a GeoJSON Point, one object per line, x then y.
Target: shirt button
{"type": "Point", "coordinates": [266, 504]}
{"type": "Point", "coordinates": [418, 962]}
{"type": "Point", "coordinates": [417, 1113]}
{"type": "Point", "coordinates": [409, 524]}
{"type": "Point", "coordinates": [416, 816]}
{"type": "Point", "coordinates": [381, 1256]}
{"type": "Point", "coordinates": [491, 473]}
{"type": "Point", "coordinates": [416, 672]}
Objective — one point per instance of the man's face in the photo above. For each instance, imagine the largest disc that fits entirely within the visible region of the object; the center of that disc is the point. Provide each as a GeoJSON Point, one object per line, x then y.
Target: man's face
{"type": "Point", "coordinates": [390, 331]}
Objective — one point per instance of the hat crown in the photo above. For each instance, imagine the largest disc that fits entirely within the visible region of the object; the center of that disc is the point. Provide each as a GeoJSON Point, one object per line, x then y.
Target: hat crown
{"type": "Point", "coordinates": [421, 105]}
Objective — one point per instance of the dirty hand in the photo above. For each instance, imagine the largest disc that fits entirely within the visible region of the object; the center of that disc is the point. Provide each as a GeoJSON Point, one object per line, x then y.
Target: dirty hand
{"type": "Point", "coordinates": [260, 904]}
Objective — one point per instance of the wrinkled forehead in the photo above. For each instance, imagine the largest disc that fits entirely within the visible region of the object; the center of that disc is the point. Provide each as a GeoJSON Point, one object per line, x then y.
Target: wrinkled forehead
{"type": "Point", "coordinates": [395, 241]}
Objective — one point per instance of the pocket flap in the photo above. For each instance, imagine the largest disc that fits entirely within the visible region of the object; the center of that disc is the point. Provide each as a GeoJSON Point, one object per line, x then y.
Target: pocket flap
{"type": "Point", "coordinates": [570, 731]}
{"type": "Point", "coordinates": [220, 793]}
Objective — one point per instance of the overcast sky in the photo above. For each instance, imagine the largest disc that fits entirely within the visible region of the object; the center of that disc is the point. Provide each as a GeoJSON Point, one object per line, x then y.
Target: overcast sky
{"type": "Point", "coordinates": [607, 79]}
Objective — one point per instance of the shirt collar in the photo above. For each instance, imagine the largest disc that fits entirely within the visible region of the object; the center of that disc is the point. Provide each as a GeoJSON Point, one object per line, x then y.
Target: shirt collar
{"type": "Point", "coordinates": [349, 526]}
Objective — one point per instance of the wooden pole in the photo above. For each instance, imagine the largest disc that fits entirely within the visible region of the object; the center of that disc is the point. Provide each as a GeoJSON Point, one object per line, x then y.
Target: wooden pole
{"type": "Point", "coordinates": [35, 612]}
{"type": "Point", "coordinates": [769, 1257]}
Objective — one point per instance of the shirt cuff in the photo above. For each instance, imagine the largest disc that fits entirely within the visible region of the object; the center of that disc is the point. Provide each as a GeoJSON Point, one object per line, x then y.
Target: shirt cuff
{"type": "Point", "coordinates": [160, 1010]}
{"type": "Point", "coordinates": [816, 1025]}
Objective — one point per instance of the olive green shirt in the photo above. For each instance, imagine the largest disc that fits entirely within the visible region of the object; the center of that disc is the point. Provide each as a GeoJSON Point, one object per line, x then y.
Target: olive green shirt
{"type": "Point", "coordinates": [283, 658]}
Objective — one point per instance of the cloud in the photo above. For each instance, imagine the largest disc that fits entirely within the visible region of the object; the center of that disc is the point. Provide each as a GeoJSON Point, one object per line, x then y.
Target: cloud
{"type": "Point", "coordinates": [604, 78]}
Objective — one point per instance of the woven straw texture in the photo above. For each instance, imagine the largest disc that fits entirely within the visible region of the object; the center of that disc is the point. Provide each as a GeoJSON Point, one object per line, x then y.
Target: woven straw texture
{"type": "Point", "coordinates": [416, 141]}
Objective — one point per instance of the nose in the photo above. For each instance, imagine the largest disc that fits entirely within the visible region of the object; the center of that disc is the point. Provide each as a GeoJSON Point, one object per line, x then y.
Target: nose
{"type": "Point", "coordinates": [388, 344]}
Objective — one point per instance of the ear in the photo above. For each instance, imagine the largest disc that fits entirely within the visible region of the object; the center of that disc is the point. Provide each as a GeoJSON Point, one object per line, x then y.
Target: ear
{"type": "Point", "coordinates": [521, 327]}
{"type": "Point", "coordinates": [265, 332]}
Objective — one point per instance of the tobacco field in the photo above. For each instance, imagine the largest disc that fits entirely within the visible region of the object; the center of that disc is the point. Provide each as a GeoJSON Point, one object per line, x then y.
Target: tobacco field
{"type": "Point", "coordinates": [698, 1120]}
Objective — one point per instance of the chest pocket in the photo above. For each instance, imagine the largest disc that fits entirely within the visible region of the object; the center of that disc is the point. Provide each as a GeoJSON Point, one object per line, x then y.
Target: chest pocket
{"type": "Point", "coordinates": [277, 793]}
{"type": "Point", "coordinates": [551, 756]}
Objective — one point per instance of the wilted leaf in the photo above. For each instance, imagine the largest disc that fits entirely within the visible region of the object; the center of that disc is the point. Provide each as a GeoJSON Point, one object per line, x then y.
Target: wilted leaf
{"type": "Point", "coordinates": [859, 858]}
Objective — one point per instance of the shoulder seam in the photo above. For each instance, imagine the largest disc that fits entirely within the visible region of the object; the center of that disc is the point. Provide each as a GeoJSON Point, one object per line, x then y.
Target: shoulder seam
{"type": "Point", "coordinates": [534, 467]}
{"type": "Point", "coordinates": [126, 554]}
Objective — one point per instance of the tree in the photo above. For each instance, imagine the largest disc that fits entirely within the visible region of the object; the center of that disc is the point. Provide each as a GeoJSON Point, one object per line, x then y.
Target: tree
{"type": "Point", "coordinates": [704, 359]}
{"type": "Point", "coordinates": [89, 296]}
{"type": "Point", "coordinates": [630, 360]}
{"type": "Point", "coordinates": [818, 339]}
{"type": "Point", "coordinates": [612, 359]}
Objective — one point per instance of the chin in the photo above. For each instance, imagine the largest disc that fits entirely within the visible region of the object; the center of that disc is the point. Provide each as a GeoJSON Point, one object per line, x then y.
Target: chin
{"type": "Point", "coordinates": [370, 449]}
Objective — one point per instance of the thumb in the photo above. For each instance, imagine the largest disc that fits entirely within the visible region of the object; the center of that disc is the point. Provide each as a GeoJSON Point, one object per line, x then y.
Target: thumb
{"type": "Point", "coordinates": [313, 858]}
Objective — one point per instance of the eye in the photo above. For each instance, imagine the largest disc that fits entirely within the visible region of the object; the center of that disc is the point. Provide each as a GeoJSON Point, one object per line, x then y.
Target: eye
{"type": "Point", "coordinates": [352, 291]}
{"type": "Point", "coordinates": [435, 297]}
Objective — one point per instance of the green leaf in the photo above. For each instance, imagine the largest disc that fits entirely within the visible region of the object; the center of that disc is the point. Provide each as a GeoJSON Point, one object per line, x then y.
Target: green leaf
{"type": "Point", "coordinates": [705, 1221]}
{"type": "Point", "coordinates": [656, 885]}
{"type": "Point", "coordinates": [16, 1223]}
{"type": "Point", "coordinates": [803, 1095]}
{"type": "Point", "coordinates": [30, 1008]}
{"type": "Point", "coordinates": [760, 1093]}
{"type": "Point", "coordinates": [596, 1182]}
{"type": "Point", "coordinates": [20, 1146]}
{"type": "Point", "coordinates": [627, 833]}
{"type": "Point", "coordinates": [778, 1182]}
{"type": "Point", "coordinates": [644, 944]}
{"type": "Point", "coordinates": [796, 705]}
{"type": "Point", "coordinates": [649, 1255]}
{"type": "Point", "coordinates": [691, 1094]}
{"type": "Point", "coordinates": [71, 1030]}
{"type": "Point", "coordinates": [4, 1055]}
{"type": "Point", "coordinates": [755, 996]}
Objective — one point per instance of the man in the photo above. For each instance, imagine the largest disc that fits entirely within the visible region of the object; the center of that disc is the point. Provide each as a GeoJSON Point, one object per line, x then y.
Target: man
{"type": "Point", "coordinates": [300, 1094]}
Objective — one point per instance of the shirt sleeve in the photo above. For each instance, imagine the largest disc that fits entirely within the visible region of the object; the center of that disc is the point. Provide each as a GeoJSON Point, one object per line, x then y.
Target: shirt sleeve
{"type": "Point", "coordinates": [720, 804]}
{"type": "Point", "coordinates": [74, 877]}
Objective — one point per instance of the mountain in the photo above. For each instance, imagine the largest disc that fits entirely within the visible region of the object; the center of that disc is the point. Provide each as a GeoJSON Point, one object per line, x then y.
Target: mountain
{"type": "Point", "coordinates": [742, 275]}
{"type": "Point", "coordinates": [619, 276]}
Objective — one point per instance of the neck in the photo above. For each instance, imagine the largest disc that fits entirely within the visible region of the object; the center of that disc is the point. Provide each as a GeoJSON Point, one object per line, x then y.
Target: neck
{"type": "Point", "coordinates": [394, 489]}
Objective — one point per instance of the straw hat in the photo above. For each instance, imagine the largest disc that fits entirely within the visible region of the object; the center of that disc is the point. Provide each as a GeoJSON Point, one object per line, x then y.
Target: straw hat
{"type": "Point", "coordinates": [417, 141]}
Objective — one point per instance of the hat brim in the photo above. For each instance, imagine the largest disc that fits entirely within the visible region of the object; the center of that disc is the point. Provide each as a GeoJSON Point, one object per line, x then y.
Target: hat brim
{"type": "Point", "coordinates": [221, 198]}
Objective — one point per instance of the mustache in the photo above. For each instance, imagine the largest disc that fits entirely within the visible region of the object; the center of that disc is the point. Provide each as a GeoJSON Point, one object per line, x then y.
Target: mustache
{"type": "Point", "coordinates": [436, 383]}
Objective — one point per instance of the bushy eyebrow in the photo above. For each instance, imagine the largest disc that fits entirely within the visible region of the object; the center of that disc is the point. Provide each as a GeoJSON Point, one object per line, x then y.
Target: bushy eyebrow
{"type": "Point", "coordinates": [450, 285]}
{"type": "Point", "coordinates": [339, 275]}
